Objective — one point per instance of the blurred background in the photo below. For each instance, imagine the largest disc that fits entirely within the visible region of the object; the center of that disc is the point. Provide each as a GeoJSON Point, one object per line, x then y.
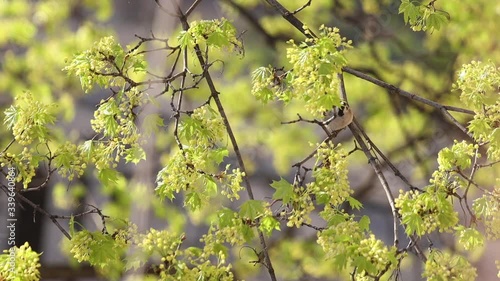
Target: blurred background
{"type": "Point", "coordinates": [410, 134]}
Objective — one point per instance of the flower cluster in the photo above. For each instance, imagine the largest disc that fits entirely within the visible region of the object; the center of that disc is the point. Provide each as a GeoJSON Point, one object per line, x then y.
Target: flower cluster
{"type": "Point", "coordinates": [350, 243]}
{"type": "Point", "coordinates": [339, 239]}
{"type": "Point", "coordinates": [231, 183]}
{"type": "Point", "coordinates": [424, 212]}
{"type": "Point", "coordinates": [24, 266]}
{"type": "Point", "coordinates": [102, 250]}
{"type": "Point", "coordinates": [478, 84]}
{"type": "Point", "coordinates": [487, 209]}
{"type": "Point", "coordinates": [315, 65]}
{"type": "Point", "coordinates": [331, 185]}
{"type": "Point", "coordinates": [163, 243]}
{"type": "Point", "coordinates": [313, 77]}
{"type": "Point", "coordinates": [25, 163]}
{"type": "Point", "coordinates": [445, 266]}
{"type": "Point", "coordinates": [204, 129]}
{"type": "Point", "coordinates": [229, 228]}
{"type": "Point", "coordinates": [194, 168]}
{"type": "Point", "coordinates": [215, 33]}
{"type": "Point", "coordinates": [106, 64]}
{"type": "Point", "coordinates": [300, 208]}
{"type": "Point", "coordinates": [70, 161]}
{"type": "Point", "coordinates": [28, 119]}
{"type": "Point", "coordinates": [374, 257]}
{"type": "Point", "coordinates": [183, 264]}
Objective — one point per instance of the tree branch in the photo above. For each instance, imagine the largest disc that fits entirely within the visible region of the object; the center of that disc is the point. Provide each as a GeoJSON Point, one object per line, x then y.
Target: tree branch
{"type": "Point", "coordinates": [215, 96]}
{"type": "Point", "coordinates": [42, 211]}
{"type": "Point", "coordinates": [393, 89]}
{"type": "Point", "coordinates": [290, 17]}
{"type": "Point", "coordinates": [378, 171]}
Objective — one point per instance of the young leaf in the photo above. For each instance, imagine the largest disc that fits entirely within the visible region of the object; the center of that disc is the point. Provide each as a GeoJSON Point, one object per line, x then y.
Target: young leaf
{"type": "Point", "coordinates": [252, 209]}
{"type": "Point", "coordinates": [284, 191]}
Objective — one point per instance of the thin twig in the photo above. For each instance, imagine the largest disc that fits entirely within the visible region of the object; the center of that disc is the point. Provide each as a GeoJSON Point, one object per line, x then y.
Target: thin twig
{"type": "Point", "coordinates": [290, 17]}
{"type": "Point", "coordinates": [318, 228]}
{"type": "Point", "coordinates": [302, 8]}
{"type": "Point", "coordinates": [42, 211]}
{"type": "Point", "coordinates": [270, 40]}
{"type": "Point", "coordinates": [164, 9]}
{"type": "Point", "coordinates": [191, 9]}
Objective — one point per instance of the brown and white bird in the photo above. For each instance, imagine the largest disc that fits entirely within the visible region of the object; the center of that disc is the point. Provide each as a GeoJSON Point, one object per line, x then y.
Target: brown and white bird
{"type": "Point", "coordinates": [342, 118]}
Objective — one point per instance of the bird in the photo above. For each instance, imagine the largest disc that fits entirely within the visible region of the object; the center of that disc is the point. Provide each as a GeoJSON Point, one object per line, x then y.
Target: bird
{"type": "Point", "coordinates": [342, 118]}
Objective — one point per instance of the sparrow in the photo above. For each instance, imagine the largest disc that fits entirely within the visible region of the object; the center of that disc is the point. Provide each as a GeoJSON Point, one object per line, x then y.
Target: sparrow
{"type": "Point", "coordinates": [342, 118]}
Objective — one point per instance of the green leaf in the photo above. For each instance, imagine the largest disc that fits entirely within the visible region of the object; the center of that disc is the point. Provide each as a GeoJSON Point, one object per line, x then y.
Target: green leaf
{"type": "Point", "coordinates": [480, 128]}
{"type": "Point", "coordinates": [363, 264]}
{"type": "Point", "coordinates": [325, 68]}
{"type": "Point", "coordinates": [247, 232]}
{"type": "Point", "coordinates": [210, 186]}
{"type": "Point", "coordinates": [220, 248]}
{"type": "Point", "coordinates": [261, 74]}
{"type": "Point", "coordinates": [194, 251]}
{"type": "Point", "coordinates": [225, 217]}
{"type": "Point", "coordinates": [264, 95]}
{"type": "Point", "coordinates": [87, 149]}
{"type": "Point", "coordinates": [104, 251]}
{"type": "Point", "coordinates": [268, 224]}
{"type": "Point", "coordinates": [10, 117]}
{"type": "Point", "coordinates": [336, 219]}
{"type": "Point", "coordinates": [135, 154]}
{"type": "Point", "coordinates": [354, 203]}
{"type": "Point", "coordinates": [364, 223]}
{"type": "Point", "coordinates": [110, 126]}
{"type": "Point", "coordinates": [414, 224]}
{"type": "Point", "coordinates": [108, 176]}
{"type": "Point", "coordinates": [219, 154]}
{"type": "Point", "coordinates": [251, 209]}
{"type": "Point", "coordinates": [410, 12]}
{"type": "Point", "coordinates": [218, 39]}
{"type": "Point", "coordinates": [191, 128]}
{"type": "Point", "coordinates": [459, 155]}
{"type": "Point", "coordinates": [185, 39]}
{"type": "Point", "coordinates": [340, 260]}
{"type": "Point", "coordinates": [482, 207]}
{"type": "Point", "coordinates": [284, 191]}
{"type": "Point", "coordinates": [193, 200]}
{"type": "Point", "coordinates": [436, 20]}
{"type": "Point", "coordinates": [135, 259]}
{"type": "Point", "coordinates": [152, 123]}
{"type": "Point", "coordinates": [469, 238]}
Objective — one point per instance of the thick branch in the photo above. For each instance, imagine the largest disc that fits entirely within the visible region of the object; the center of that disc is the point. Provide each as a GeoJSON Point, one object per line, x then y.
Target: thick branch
{"type": "Point", "coordinates": [378, 171]}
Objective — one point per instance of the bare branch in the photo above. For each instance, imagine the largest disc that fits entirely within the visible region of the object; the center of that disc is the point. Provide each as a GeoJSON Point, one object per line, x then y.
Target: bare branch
{"type": "Point", "coordinates": [42, 211]}
{"type": "Point", "coordinates": [396, 90]}
{"type": "Point", "coordinates": [302, 8]}
{"type": "Point", "coordinates": [191, 9]}
{"type": "Point", "coordinates": [270, 39]}
{"type": "Point", "coordinates": [386, 159]}
{"type": "Point", "coordinates": [378, 171]}
{"type": "Point", "coordinates": [290, 17]}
